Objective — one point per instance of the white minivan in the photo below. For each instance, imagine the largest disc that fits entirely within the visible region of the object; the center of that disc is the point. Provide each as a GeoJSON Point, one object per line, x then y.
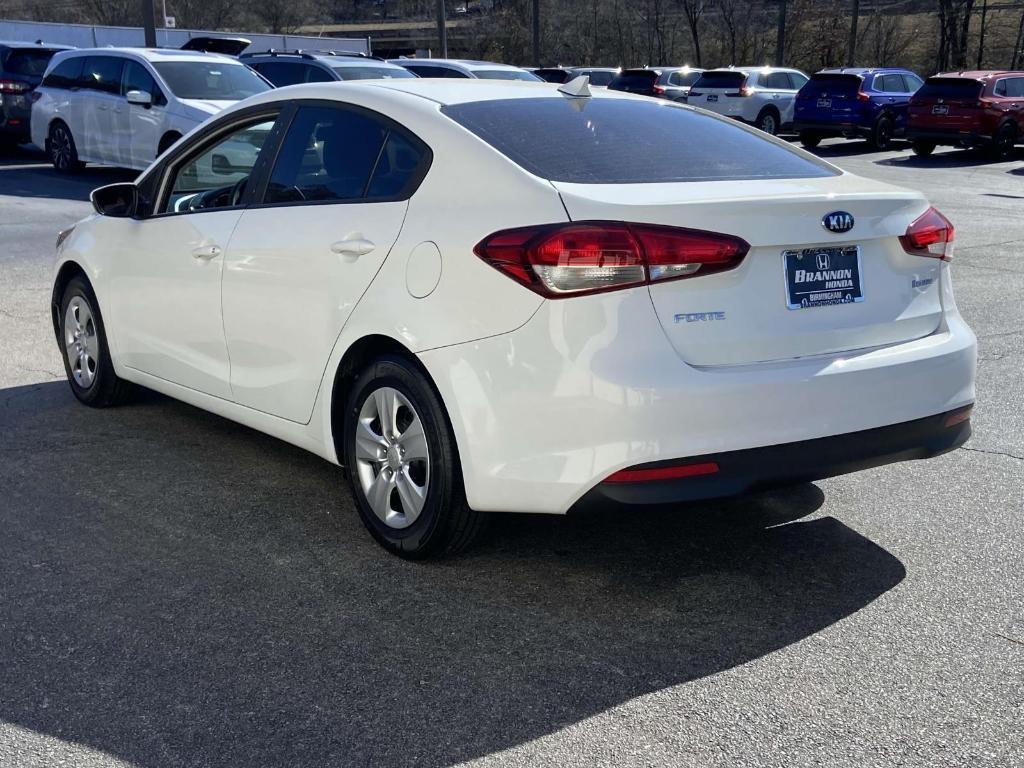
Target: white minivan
{"type": "Point", "coordinates": [125, 106]}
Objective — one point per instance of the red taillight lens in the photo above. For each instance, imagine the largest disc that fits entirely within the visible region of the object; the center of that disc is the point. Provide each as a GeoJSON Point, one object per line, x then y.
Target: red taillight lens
{"type": "Point", "coordinates": [658, 90]}
{"type": "Point", "coordinates": [930, 234]}
{"type": "Point", "coordinates": [590, 257]}
{"type": "Point", "coordinates": [861, 96]}
{"type": "Point", "coordinates": [644, 475]}
{"type": "Point", "coordinates": [14, 86]}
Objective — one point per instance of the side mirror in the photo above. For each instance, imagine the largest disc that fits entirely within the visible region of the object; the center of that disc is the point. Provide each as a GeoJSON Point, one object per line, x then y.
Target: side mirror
{"type": "Point", "coordinates": [142, 98]}
{"type": "Point", "coordinates": [118, 200]}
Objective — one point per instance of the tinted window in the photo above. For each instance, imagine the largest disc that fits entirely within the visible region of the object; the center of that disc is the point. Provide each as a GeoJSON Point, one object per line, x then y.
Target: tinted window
{"type": "Point", "coordinates": [889, 84]}
{"type": "Point", "coordinates": [66, 74]}
{"type": "Point", "coordinates": [328, 154]}
{"type": "Point", "coordinates": [30, 62]}
{"type": "Point", "coordinates": [826, 82]}
{"type": "Point", "coordinates": [1015, 87]}
{"type": "Point", "coordinates": [318, 75]}
{"type": "Point", "coordinates": [137, 78]}
{"type": "Point", "coordinates": [427, 70]}
{"type": "Point", "coordinates": [398, 166]}
{"type": "Point", "coordinates": [216, 177]}
{"type": "Point", "coordinates": [798, 80]}
{"type": "Point", "coordinates": [213, 80]}
{"type": "Point", "coordinates": [913, 82]}
{"type": "Point", "coordinates": [553, 75]}
{"type": "Point", "coordinates": [777, 81]}
{"type": "Point", "coordinates": [372, 73]}
{"type": "Point", "coordinates": [600, 77]}
{"type": "Point", "coordinates": [634, 80]}
{"type": "Point", "coordinates": [950, 88]}
{"type": "Point", "coordinates": [506, 74]}
{"type": "Point", "coordinates": [615, 141]}
{"type": "Point", "coordinates": [281, 73]}
{"type": "Point", "coordinates": [683, 78]}
{"type": "Point", "coordinates": [720, 80]}
{"type": "Point", "coordinates": [102, 73]}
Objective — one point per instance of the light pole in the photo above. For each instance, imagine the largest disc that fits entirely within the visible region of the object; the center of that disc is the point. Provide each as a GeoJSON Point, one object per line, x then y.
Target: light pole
{"type": "Point", "coordinates": [442, 29]}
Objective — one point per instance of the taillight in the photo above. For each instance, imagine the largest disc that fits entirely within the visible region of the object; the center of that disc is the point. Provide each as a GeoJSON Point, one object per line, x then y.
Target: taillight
{"type": "Point", "coordinates": [744, 91]}
{"type": "Point", "coordinates": [930, 234]}
{"type": "Point", "coordinates": [861, 96]}
{"type": "Point", "coordinates": [590, 257]}
{"type": "Point", "coordinates": [14, 86]}
{"type": "Point", "coordinates": [671, 472]}
{"type": "Point", "coordinates": [658, 90]}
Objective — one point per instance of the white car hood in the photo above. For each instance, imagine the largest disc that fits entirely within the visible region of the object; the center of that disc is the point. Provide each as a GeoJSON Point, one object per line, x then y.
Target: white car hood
{"type": "Point", "coordinates": [200, 109]}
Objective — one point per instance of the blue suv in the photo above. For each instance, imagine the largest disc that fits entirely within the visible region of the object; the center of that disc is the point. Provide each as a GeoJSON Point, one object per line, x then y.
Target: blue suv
{"type": "Point", "coordinates": [855, 103]}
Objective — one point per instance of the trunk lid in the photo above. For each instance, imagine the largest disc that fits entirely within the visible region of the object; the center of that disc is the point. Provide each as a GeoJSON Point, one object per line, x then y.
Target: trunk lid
{"type": "Point", "coordinates": [741, 316]}
{"type": "Point", "coordinates": [718, 91]}
{"type": "Point", "coordinates": [949, 103]}
{"type": "Point", "coordinates": [828, 98]}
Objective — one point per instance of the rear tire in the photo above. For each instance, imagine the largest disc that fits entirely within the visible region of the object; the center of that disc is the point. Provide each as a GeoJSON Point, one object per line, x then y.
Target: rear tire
{"type": "Point", "coordinates": [84, 348]}
{"type": "Point", "coordinates": [768, 121]}
{"type": "Point", "coordinates": [923, 148]}
{"type": "Point", "coordinates": [810, 139]}
{"type": "Point", "coordinates": [403, 465]}
{"type": "Point", "coordinates": [60, 145]}
{"type": "Point", "coordinates": [881, 133]}
{"type": "Point", "coordinates": [1003, 142]}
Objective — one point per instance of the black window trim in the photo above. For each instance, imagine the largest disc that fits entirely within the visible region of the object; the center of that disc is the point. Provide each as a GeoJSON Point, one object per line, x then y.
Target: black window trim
{"type": "Point", "coordinates": [161, 176]}
{"type": "Point", "coordinates": [415, 179]}
{"type": "Point", "coordinates": [81, 86]}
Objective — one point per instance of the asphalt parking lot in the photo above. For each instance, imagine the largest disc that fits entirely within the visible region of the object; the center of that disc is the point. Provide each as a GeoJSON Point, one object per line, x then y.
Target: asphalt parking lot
{"type": "Point", "coordinates": [177, 590]}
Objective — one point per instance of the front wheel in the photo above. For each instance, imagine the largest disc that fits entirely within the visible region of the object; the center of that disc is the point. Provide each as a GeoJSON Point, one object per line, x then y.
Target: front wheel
{"type": "Point", "coordinates": [403, 464]}
{"type": "Point", "coordinates": [768, 121]}
{"type": "Point", "coordinates": [923, 148]}
{"type": "Point", "coordinates": [86, 354]}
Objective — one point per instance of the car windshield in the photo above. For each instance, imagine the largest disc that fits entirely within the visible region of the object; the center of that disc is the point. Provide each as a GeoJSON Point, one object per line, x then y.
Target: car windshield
{"type": "Point", "coordinates": [371, 73]}
{"type": "Point", "coordinates": [949, 88]}
{"type": "Point", "coordinates": [211, 80]}
{"type": "Point", "coordinates": [625, 141]}
{"type": "Point", "coordinates": [506, 74]}
{"type": "Point", "coordinates": [28, 61]}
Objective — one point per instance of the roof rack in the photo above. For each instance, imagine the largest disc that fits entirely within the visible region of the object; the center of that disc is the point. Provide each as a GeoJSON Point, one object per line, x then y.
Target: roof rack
{"type": "Point", "coordinates": [308, 54]}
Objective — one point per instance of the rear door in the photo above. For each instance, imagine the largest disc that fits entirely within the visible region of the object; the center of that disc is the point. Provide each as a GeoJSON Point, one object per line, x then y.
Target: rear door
{"type": "Point", "coordinates": [719, 91]}
{"type": "Point", "coordinates": [301, 258]}
{"type": "Point", "coordinates": [100, 105]}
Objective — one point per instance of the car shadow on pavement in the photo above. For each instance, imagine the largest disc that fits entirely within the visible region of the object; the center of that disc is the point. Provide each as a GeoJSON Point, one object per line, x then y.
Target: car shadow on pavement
{"type": "Point", "coordinates": [25, 172]}
{"type": "Point", "coordinates": [180, 590]}
{"type": "Point", "coordinates": [852, 148]}
{"type": "Point", "coordinates": [956, 158]}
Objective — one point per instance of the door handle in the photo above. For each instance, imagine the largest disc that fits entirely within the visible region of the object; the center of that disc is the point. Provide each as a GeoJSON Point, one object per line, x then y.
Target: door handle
{"type": "Point", "coordinates": [356, 246]}
{"type": "Point", "coordinates": [206, 251]}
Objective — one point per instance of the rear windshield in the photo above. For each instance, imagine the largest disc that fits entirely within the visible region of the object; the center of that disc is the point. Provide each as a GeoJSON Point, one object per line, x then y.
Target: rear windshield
{"type": "Point", "coordinates": [212, 80]}
{"type": "Point", "coordinates": [28, 61]}
{"type": "Point", "coordinates": [619, 141]}
{"type": "Point", "coordinates": [506, 74]}
{"type": "Point", "coordinates": [949, 88]}
{"type": "Point", "coordinates": [833, 82]}
{"type": "Point", "coordinates": [634, 79]}
{"type": "Point", "coordinates": [372, 73]}
{"type": "Point", "coordinates": [720, 80]}
{"type": "Point", "coordinates": [600, 77]}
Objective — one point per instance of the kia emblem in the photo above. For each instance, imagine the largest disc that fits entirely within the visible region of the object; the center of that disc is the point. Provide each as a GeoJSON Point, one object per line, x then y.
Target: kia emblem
{"type": "Point", "coordinates": [837, 221]}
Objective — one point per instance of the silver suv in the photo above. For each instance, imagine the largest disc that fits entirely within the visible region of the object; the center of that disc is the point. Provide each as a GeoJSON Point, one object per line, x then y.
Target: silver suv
{"type": "Point", "coordinates": [293, 67]}
{"type": "Point", "coordinates": [761, 96]}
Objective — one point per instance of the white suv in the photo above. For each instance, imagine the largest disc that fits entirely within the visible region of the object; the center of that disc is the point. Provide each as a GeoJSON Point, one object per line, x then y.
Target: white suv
{"type": "Point", "coordinates": [762, 96]}
{"type": "Point", "coordinates": [125, 106]}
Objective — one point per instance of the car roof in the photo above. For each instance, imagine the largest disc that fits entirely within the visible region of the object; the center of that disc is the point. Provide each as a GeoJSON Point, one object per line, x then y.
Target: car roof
{"type": "Point", "coordinates": [334, 58]}
{"type": "Point", "coordinates": [469, 64]}
{"type": "Point", "coordinates": [979, 74]}
{"type": "Point", "coordinates": [151, 54]}
{"type": "Point", "coordinates": [861, 70]}
{"type": "Point", "coordinates": [40, 44]}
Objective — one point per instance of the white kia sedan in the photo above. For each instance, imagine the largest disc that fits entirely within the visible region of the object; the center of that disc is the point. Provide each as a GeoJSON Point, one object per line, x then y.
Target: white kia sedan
{"type": "Point", "coordinates": [407, 281]}
{"type": "Point", "coordinates": [125, 106]}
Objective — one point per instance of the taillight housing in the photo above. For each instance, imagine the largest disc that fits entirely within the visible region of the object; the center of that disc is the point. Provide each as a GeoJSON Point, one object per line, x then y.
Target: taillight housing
{"type": "Point", "coordinates": [14, 86]}
{"type": "Point", "coordinates": [658, 90]}
{"type": "Point", "coordinates": [579, 258]}
{"type": "Point", "coordinates": [930, 234]}
{"type": "Point", "coordinates": [861, 96]}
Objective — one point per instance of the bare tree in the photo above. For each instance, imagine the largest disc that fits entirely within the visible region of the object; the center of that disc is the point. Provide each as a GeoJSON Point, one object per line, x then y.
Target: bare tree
{"type": "Point", "coordinates": [694, 12]}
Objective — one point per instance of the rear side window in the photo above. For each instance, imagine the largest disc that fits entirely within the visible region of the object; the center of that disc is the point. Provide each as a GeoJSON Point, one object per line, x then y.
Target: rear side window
{"type": "Point", "coordinates": [798, 80]}
{"type": "Point", "coordinates": [66, 74]}
{"type": "Point", "coordinates": [102, 73]}
{"type": "Point", "coordinates": [912, 81]}
{"type": "Point", "coordinates": [720, 80]}
{"type": "Point", "coordinates": [335, 154]}
{"type": "Point", "coordinates": [30, 62]}
{"type": "Point", "coordinates": [950, 88]}
{"type": "Point", "coordinates": [618, 141]}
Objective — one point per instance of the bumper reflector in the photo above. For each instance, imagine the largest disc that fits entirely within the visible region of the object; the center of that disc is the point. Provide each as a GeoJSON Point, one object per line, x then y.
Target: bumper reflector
{"type": "Point", "coordinates": [958, 416]}
{"type": "Point", "coordinates": [662, 473]}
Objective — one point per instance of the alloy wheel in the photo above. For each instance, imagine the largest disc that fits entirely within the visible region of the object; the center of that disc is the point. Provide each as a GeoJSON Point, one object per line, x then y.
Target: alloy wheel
{"type": "Point", "coordinates": [81, 344]}
{"type": "Point", "coordinates": [768, 123]}
{"type": "Point", "coordinates": [60, 148]}
{"type": "Point", "coordinates": [392, 458]}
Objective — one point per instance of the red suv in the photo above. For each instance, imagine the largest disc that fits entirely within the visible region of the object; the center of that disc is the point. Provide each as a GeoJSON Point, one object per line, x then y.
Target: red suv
{"type": "Point", "coordinates": [968, 109]}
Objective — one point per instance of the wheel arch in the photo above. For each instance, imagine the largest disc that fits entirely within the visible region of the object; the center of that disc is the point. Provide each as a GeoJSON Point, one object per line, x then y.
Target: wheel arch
{"type": "Point", "coordinates": [68, 271]}
{"type": "Point", "coordinates": [169, 138]}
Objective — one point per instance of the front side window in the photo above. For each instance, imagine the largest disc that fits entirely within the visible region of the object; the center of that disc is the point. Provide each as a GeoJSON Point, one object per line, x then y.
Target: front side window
{"type": "Point", "coordinates": [798, 80]}
{"type": "Point", "coordinates": [102, 73]}
{"type": "Point", "coordinates": [213, 80]}
{"type": "Point", "coordinates": [218, 175]}
{"type": "Point", "coordinates": [891, 84]}
{"type": "Point", "coordinates": [619, 141]}
{"type": "Point", "coordinates": [1015, 87]}
{"type": "Point", "coordinates": [777, 81]}
{"type": "Point", "coordinates": [137, 78]}
{"type": "Point", "coordinates": [335, 154]}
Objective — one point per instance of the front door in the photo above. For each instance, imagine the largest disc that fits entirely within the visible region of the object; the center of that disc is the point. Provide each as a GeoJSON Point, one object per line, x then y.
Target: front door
{"type": "Point", "coordinates": [300, 261]}
{"type": "Point", "coordinates": [140, 127]}
{"type": "Point", "coordinates": [166, 292]}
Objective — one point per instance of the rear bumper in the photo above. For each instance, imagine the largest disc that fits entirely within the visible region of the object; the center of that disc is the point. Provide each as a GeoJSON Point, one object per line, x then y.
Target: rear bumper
{"type": "Point", "coordinates": [945, 137]}
{"type": "Point", "coordinates": [760, 468]}
{"type": "Point", "coordinates": [832, 129]}
{"type": "Point", "coordinates": [15, 113]}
